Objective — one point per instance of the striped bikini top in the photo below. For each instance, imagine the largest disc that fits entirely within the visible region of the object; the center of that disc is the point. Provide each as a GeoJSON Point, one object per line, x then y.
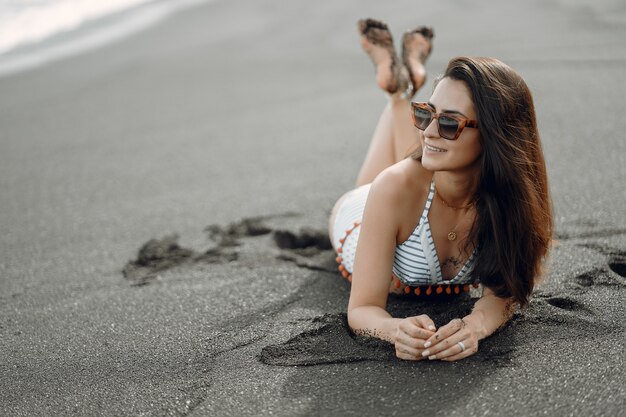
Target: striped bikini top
{"type": "Point", "coordinates": [416, 261]}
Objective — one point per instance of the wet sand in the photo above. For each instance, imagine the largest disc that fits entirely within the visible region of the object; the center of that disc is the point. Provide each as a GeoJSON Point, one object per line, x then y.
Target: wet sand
{"type": "Point", "coordinates": [164, 204]}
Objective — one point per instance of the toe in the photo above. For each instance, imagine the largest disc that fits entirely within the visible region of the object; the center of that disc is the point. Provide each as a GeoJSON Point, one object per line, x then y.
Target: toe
{"type": "Point", "coordinates": [428, 32]}
{"type": "Point", "coordinates": [362, 25]}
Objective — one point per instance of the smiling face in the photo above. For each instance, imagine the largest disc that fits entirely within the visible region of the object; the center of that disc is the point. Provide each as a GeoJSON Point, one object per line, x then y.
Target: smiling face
{"type": "Point", "coordinates": [439, 154]}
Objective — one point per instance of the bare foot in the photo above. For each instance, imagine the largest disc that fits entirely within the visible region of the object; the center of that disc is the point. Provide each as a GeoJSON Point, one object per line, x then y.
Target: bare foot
{"type": "Point", "coordinates": [377, 42]}
{"type": "Point", "coordinates": [416, 47]}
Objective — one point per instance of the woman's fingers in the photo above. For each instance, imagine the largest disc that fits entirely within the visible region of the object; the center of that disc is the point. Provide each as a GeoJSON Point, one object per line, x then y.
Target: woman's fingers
{"type": "Point", "coordinates": [451, 342]}
{"type": "Point", "coordinates": [461, 355]}
{"type": "Point", "coordinates": [448, 345]}
{"type": "Point", "coordinates": [408, 353]}
{"type": "Point", "coordinates": [408, 347]}
{"type": "Point", "coordinates": [413, 330]}
{"type": "Point", "coordinates": [425, 322]}
{"type": "Point", "coordinates": [445, 331]}
{"type": "Point", "coordinates": [455, 342]}
{"type": "Point", "coordinates": [411, 336]}
{"type": "Point", "coordinates": [454, 345]}
{"type": "Point", "coordinates": [407, 340]}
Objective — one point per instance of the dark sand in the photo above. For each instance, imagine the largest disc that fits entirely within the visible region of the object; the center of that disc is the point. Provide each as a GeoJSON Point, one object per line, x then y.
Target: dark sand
{"type": "Point", "coordinates": [263, 111]}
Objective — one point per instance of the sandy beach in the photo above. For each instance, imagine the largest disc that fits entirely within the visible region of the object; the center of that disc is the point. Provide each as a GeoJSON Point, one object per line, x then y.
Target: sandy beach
{"type": "Point", "coordinates": [164, 202]}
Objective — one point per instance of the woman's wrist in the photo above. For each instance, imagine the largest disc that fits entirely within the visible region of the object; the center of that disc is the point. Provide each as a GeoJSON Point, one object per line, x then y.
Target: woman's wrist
{"type": "Point", "coordinates": [476, 321]}
{"type": "Point", "coordinates": [385, 329]}
{"type": "Point", "coordinates": [391, 328]}
{"type": "Point", "coordinates": [373, 321]}
{"type": "Point", "coordinates": [398, 96]}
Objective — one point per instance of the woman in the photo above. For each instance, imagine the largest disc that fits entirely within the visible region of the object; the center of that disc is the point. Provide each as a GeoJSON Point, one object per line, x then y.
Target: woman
{"type": "Point", "coordinates": [470, 205]}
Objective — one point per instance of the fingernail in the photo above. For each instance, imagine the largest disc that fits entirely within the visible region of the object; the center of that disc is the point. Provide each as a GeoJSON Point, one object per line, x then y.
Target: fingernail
{"type": "Point", "coordinates": [432, 357]}
{"type": "Point", "coordinates": [431, 327]}
{"type": "Point", "coordinates": [425, 353]}
{"type": "Point", "coordinates": [427, 344]}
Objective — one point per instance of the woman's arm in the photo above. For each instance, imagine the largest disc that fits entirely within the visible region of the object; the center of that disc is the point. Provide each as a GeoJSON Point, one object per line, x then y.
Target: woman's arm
{"type": "Point", "coordinates": [373, 321]}
{"type": "Point", "coordinates": [387, 202]}
{"type": "Point", "coordinates": [488, 315]}
{"type": "Point", "coordinates": [367, 314]}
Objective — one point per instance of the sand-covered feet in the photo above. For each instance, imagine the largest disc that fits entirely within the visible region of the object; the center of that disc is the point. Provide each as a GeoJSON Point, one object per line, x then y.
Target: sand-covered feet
{"type": "Point", "coordinates": [377, 42]}
{"type": "Point", "coordinates": [416, 47]}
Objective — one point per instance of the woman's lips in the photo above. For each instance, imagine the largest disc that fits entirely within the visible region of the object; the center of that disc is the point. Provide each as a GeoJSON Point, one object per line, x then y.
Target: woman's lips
{"type": "Point", "coordinates": [434, 149]}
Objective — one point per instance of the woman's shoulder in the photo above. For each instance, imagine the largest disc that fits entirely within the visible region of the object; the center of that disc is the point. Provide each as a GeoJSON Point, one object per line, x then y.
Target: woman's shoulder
{"type": "Point", "coordinates": [401, 183]}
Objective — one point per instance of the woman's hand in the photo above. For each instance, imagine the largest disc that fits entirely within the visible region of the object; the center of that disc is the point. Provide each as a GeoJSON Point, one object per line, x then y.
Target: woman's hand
{"type": "Point", "coordinates": [456, 340]}
{"type": "Point", "coordinates": [411, 334]}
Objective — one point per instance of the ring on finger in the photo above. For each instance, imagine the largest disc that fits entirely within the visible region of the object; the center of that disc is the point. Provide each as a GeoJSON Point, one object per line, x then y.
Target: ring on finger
{"type": "Point", "coordinates": [462, 346]}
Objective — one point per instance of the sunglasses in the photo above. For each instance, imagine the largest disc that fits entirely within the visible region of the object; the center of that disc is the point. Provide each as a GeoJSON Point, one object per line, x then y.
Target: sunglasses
{"type": "Point", "coordinates": [449, 126]}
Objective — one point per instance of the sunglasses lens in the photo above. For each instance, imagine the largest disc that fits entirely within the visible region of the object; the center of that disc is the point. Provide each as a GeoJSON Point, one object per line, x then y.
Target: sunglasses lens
{"type": "Point", "coordinates": [422, 117]}
{"type": "Point", "coordinates": [448, 127]}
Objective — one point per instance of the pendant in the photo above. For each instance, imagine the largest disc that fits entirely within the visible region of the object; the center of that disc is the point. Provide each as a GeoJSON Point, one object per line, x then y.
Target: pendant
{"type": "Point", "coordinates": [451, 236]}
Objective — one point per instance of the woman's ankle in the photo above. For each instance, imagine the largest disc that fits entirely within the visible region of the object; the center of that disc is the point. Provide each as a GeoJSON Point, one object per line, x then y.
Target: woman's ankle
{"type": "Point", "coordinates": [399, 97]}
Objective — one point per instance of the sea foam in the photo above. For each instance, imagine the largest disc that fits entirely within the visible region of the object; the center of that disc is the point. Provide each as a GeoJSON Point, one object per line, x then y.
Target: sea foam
{"type": "Point", "coordinates": [27, 25]}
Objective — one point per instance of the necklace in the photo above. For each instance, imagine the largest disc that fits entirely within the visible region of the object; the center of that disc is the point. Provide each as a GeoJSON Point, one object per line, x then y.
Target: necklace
{"type": "Point", "coordinates": [465, 207]}
{"type": "Point", "coordinates": [452, 233]}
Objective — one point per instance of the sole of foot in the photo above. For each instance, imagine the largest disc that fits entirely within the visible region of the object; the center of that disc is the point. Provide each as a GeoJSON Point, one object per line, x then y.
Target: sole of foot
{"type": "Point", "coordinates": [377, 42]}
{"type": "Point", "coordinates": [416, 48]}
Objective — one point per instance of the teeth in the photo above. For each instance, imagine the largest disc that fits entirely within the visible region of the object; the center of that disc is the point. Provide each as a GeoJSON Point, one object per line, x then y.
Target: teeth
{"type": "Point", "coordinates": [430, 148]}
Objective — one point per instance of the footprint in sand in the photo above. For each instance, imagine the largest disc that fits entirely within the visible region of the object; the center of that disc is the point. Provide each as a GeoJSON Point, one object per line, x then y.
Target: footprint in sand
{"type": "Point", "coordinates": [306, 240]}
{"type": "Point", "coordinates": [601, 277]}
{"type": "Point", "coordinates": [158, 255]}
{"type": "Point", "coordinates": [587, 279]}
{"type": "Point", "coordinates": [154, 256]}
{"type": "Point", "coordinates": [567, 303]}
{"type": "Point", "coordinates": [309, 248]}
{"type": "Point", "coordinates": [230, 235]}
{"type": "Point", "coordinates": [617, 263]}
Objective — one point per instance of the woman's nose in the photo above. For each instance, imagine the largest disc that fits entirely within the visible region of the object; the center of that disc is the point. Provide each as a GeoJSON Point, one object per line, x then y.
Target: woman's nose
{"type": "Point", "coordinates": [431, 130]}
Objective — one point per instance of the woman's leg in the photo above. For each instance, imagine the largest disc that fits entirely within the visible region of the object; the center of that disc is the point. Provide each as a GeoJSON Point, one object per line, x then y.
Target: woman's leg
{"type": "Point", "coordinates": [395, 137]}
{"type": "Point", "coordinates": [381, 153]}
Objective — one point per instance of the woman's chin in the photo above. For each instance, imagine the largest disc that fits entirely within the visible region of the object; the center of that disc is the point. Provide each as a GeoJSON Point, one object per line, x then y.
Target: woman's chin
{"type": "Point", "coordinates": [430, 164]}
{"type": "Point", "coordinates": [442, 162]}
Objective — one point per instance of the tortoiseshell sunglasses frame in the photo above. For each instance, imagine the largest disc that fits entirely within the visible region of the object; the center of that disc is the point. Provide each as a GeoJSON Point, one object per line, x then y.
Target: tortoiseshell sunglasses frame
{"type": "Point", "coordinates": [463, 121]}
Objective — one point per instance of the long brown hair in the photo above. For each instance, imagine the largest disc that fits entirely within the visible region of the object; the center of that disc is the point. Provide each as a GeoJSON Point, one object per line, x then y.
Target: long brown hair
{"type": "Point", "coordinates": [513, 228]}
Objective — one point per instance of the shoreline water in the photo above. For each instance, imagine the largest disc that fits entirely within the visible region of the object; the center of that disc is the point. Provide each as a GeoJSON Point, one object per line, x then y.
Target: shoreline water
{"type": "Point", "coordinates": [24, 22]}
{"type": "Point", "coordinates": [90, 34]}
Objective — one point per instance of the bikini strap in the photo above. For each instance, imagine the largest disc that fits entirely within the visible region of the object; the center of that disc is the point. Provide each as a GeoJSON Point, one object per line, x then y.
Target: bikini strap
{"type": "Point", "coordinates": [429, 200]}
